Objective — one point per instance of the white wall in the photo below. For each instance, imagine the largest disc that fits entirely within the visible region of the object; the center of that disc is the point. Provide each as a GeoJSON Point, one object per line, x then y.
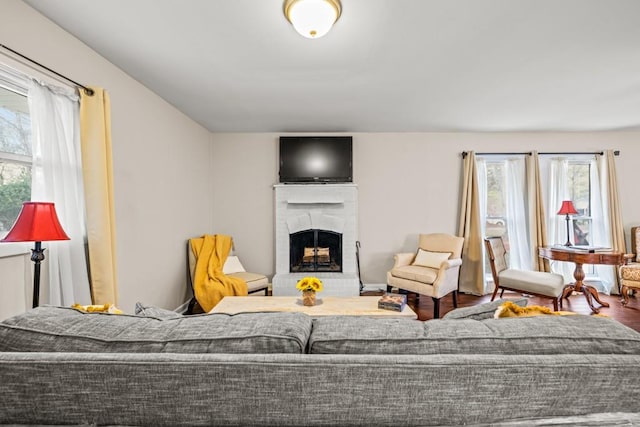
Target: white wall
{"type": "Point", "coordinates": [408, 183]}
{"type": "Point", "coordinates": [161, 162]}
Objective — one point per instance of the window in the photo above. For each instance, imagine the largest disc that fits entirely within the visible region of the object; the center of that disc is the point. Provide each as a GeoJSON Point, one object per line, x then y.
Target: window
{"type": "Point", "coordinates": [15, 155]}
{"type": "Point", "coordinates": [579, 188]}
{"type": "Point", "coordinates": [496, 218]}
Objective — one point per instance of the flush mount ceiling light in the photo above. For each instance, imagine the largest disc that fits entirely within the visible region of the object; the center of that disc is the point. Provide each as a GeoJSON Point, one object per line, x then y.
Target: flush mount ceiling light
{"type": "Point", "coordinates": [312, 18]}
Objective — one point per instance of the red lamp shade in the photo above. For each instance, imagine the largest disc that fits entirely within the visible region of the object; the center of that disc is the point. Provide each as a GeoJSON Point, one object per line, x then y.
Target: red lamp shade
{"type": "Point", "coordinates": [567, 208]}
{"type": "Point", "coordinates": [37, 222]}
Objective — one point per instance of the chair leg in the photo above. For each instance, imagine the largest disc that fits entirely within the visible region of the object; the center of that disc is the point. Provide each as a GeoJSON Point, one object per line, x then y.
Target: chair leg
{"type": "Point", "coordinates": [495, 292]}
{"type": "Point", "coordinates": [555, 304]}
{"type": "Point", "coordinates": [624, 292]}
{"type": "Point", "coordinates": [192, 303]}
{"type": "Point", "coordinates": [560, 301]}
{"type": "Point", "coordinates": [455, 299]}
{"type": "Point", "coordinates": [436, 307]}
{"type": "Point", "coordinates": [389, 288]}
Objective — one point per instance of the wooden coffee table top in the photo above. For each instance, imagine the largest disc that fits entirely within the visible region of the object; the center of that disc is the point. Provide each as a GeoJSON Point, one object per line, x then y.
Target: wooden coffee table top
{"type": "Point", "coordinates": [325, 306]}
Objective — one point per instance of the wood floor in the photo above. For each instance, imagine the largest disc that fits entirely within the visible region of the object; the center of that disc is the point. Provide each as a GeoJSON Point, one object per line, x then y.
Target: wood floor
{"type": "Point", "coordinates": [629, 315]}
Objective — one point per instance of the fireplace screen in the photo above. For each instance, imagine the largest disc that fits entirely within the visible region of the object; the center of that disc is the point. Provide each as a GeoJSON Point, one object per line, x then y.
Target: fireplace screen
{"type": "Point", "coordinates": [315, 250]}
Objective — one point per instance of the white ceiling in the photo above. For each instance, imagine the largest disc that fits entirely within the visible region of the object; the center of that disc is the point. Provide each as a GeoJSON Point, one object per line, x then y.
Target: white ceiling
{"type": "Point", "coordinates": [386, 66]}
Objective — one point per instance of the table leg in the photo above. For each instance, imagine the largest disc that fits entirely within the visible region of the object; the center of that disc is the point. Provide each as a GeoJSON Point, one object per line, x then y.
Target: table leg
{"type": "Point", "coordinates": [568, 290]}
{"type": "Point", "coordinates": [588, 291]}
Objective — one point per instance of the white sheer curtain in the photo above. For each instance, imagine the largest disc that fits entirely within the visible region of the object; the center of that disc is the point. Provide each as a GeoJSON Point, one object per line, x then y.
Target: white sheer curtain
{"type": "Point", "coordinates": [57, 177]}
{"type": "Point", "coordinates": [514, 191]}
{"type": "Point", "coordinates": [516, 212]}
{"type": "Point", "coordinates": [558, 187]}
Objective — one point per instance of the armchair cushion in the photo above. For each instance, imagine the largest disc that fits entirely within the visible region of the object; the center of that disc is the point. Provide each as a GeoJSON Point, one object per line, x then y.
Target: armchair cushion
{"type": "Point", "coordinates": [430, 259]}
{"type": "Point", "coordinates": [415, 273]}
{"type": "Point", "coordinates": [254, 281]}
{"type": "Point", "coordinates": [537, 282]}
{"type": "Point", "coordinates": [630, 272]}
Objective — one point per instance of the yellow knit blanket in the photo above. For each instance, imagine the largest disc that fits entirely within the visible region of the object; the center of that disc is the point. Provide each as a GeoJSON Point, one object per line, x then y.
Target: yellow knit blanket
{"type": "Point", "coordinates": [96, 308]}
{"type": "Point", "coordinates": [509, 309]}
{"type": "Point", "coordinates": [210, 284]}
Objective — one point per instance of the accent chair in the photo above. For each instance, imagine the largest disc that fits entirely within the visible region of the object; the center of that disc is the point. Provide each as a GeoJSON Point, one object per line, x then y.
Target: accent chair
{"type": "Point", "coordinates": [432, 270]}
{"type": "Point", "coordinates": [630, 273]}
{"type": "Point", "coordinates": [538, 283]}
{"type": "Point", "coordinates": [232, 267]}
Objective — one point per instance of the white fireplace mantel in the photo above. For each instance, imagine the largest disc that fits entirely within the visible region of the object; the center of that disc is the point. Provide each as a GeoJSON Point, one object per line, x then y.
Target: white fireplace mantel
{"type": "Point", "coordinates": [302, 207]}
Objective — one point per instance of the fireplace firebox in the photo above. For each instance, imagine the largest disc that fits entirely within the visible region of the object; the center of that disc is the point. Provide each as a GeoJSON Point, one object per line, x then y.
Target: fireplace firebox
{"type": "Point", "coordinates": [315, 251]}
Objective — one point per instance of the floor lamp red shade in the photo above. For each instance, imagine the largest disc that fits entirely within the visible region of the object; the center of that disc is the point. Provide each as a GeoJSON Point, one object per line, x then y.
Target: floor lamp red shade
{"type": "Point", "coordinates": [37, 222]}
{"type": "Point", "coordinates": [567, 209]}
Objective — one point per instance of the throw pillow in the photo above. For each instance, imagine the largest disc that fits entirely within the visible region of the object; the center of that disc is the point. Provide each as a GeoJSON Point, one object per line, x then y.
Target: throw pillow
{"type": "Point", "coordinates": [482, 311]}
{"type": "Point", "coordinates": [232, 265]}
{"type": "Point", "coordinates": [157, 312]}
{"type": "Point", "coordinates": [430, 259]}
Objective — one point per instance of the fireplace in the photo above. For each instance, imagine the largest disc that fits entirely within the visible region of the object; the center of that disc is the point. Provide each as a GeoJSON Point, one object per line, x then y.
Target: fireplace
{"type": "Point", "coordinates": [316, 233]}
{"type": "Point", "coordinates": [315, 251]}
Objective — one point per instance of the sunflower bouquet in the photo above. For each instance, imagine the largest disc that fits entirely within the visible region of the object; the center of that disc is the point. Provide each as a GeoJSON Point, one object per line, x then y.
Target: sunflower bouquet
{"type": "Point", "coordinates": [312, 284]}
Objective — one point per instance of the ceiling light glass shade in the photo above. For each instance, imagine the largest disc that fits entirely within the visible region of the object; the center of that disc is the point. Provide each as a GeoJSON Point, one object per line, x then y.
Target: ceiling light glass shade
{"type": "Point", "coordinates": [312, 18]}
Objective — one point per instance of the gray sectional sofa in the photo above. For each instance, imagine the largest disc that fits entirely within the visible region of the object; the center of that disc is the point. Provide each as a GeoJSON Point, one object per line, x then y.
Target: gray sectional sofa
{"type": "Point", "coordinates": [62, 366]}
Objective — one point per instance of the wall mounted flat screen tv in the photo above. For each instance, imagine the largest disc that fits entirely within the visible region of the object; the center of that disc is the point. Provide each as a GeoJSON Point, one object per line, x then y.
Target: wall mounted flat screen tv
{"type": "Point", "coordinates": [316, 159]}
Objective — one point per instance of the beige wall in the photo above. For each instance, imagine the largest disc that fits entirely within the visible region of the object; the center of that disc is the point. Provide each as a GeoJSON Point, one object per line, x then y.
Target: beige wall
{"type": "Point", "coordinates": [408, 183]}
{"type": "Point", "coordinates": [161, 163]}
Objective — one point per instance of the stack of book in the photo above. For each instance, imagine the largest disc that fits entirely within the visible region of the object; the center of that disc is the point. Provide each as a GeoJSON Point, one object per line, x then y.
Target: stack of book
{"type": "Point", "coordinates": [395, 302]}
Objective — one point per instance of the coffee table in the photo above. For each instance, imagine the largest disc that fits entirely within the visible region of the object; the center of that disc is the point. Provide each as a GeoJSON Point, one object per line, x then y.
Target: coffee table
{"type": "Point", "coordinates": [325, 306]}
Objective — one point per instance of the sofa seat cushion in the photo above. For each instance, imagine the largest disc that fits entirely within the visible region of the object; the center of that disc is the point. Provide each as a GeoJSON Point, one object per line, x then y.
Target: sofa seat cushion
{"type": "Point", "coordinates": [523, 335]}
{"type": "Point", "coordinates": [416, 273]}
{"type": "Point", "coordinates": [538, 282]}
{"type": "Point", "coordinates": [254, 281]}
{"type": "Point", "coordinates": [61, 329]}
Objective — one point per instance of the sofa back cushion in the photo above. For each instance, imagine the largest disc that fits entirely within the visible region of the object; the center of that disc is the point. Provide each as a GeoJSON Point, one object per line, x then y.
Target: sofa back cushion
{"type": "Point", "coordinates": [533, 335]}
{"type": "Point", "coordinates": [61, 329]}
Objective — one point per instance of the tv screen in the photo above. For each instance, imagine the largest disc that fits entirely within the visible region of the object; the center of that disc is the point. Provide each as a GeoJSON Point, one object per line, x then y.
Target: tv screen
{"type": "Point", "coordinates": [315, 159]}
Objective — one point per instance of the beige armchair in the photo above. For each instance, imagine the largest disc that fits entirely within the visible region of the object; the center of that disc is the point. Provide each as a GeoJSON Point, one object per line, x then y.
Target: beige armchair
{"type": "Point", "coordinates": [630, 273]}
{"type": "Point", "coordinates": [433, 270]}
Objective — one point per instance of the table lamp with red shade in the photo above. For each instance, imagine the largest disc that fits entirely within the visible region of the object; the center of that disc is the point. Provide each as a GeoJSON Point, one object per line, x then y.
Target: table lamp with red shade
{"type": "Point", "coordinates": [567, 209]}
{"type": "Point", "coordinates": [37, 222]}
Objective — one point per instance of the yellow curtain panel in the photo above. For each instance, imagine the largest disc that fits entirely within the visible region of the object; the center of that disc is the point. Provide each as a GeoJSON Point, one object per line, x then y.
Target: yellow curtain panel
{"type": "Point", "coordinates": [97, 170]}
{"type": "Point", "coordinates": [472, 270]}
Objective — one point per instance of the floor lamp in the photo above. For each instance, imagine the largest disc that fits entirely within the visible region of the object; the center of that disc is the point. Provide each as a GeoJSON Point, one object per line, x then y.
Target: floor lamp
{"type": "Point", "coordinates": [567, 209]}
{"type": "Point", "coordinates": [37, 222]}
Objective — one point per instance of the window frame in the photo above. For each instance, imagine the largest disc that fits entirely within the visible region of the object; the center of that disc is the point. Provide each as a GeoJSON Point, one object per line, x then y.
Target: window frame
{"type": "Point", "coordinates": [11, 83]}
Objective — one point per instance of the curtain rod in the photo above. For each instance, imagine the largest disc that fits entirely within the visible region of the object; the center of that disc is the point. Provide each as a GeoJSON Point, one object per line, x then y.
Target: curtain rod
{"type": "Point", "coordinates": [87, 90]}
{"type": "Point", "coordinates": [528, 153]}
